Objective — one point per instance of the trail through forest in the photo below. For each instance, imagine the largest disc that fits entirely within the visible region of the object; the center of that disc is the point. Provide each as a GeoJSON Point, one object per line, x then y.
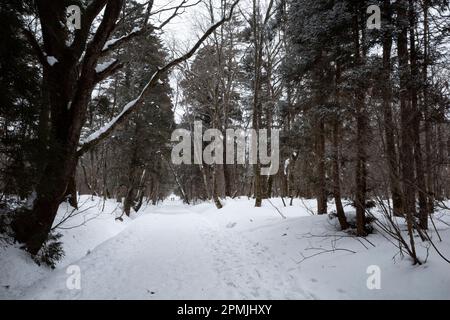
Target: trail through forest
{"type": "Point", "coordinates": [178, 251]}
{"type": "Point", "coordinates": [173, 253]}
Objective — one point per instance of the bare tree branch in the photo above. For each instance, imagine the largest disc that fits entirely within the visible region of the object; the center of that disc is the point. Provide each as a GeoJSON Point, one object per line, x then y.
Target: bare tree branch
{"type": "Point", "coordinates": [175, 13]}
{"type": "Point", "coordinates": [133, 105]}
{"type": "Point", "coordinates": [81, 35]}
{"type": "Point", "coordinates": [115, 43]}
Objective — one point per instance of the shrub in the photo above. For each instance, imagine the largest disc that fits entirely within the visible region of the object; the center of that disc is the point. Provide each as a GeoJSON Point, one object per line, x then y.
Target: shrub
{"type": "Point", "coordinates": [51, 252]}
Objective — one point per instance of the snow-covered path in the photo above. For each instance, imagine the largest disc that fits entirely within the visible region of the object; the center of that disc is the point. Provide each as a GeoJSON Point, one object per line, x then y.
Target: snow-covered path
{"type": "Point", "coordinates": [176, 251]}
{"type": "Point", "coordinates": [173, 253]}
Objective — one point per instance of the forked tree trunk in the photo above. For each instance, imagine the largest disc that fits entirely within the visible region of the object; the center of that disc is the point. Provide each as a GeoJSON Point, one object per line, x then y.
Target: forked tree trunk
{"type": "Point", "coordinates": [60, 158]}
{"type": "Point", "coordinates": [68, 96]}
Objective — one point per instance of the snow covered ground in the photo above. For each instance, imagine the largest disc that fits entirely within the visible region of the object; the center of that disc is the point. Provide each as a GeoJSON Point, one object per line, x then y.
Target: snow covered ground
{"type": "Point", "coordinates": [175, 251]}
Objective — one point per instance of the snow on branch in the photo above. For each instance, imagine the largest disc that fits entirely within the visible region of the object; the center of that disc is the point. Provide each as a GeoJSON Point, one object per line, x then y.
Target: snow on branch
{"type": "Point", "coordinates": [105, 65]}
{"type": "Point", "coordinates": [131, 106]}
{"type": "Point", "coordinates": [104, 70]}
{"type": "Point", "coordinates": [114, 43]}
{"type": "Point", "coordinates": [126, 109]}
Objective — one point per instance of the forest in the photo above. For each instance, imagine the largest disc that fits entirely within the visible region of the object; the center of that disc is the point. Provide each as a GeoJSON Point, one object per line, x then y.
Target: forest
{"type": "Point", "coordinates": [351, 102]}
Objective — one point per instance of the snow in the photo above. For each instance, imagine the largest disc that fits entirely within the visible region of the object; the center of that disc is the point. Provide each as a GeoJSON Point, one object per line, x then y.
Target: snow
{"type": "Point", "coordinates": [176, 251]}
{"type": "Point", "coordinates": [111, 42]}
{"type": "Point", "coordinates": [286, 165]}
{"type": "Point", "coordinates": [105, 65]}
{"type": "Point", "coordinates": [87, 228]}
{"type": "Point", "coordinates": [51, 60]}
{"type": "Point", "coordinates": [108, 125]}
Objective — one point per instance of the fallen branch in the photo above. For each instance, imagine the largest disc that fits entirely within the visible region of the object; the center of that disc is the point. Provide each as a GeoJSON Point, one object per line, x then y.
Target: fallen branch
{"type": "Point", "coordinates": [281, 214]}
{"type": "Point", "coordinates": [322, 252]}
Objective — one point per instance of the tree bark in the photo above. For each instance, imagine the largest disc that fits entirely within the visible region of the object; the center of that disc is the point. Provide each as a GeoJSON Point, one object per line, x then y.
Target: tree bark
{"type": "Point", "coordinates": [406, 123]}
{"type": "Point", "coordinates": [256, 116]}
{"type": "Point", "coordinates": [389, 134]}
{"type": "Point", "coordinates": [336, 178]}
{"type": "Point", "coordinates": [361, 127]}
{"type": "Point", "coordinates": [226, 171]}
{"type": "Point", "coordinates": [321, 189]}
{"type": "Point", "coordinates": [71, 192]}
{"type": "Point", "coordinates": [69, 94]}
{"type": "Point", "coordinates": [418, 159]}
{"type": "Point", "coordinates": [428, 143]}
{"type": "Point", "coordinates": [128, 201]}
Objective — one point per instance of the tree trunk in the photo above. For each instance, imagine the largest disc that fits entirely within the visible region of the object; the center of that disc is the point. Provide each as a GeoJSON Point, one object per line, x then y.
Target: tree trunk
{"type": "Point", "coordinates": [361, 172]}
{"type": "Point", "coordinates": [269, 186]}
{"type": "Point", "coordinates": [68, 88]}
{"type": "Point", "coordinates": [214, 191]}
{"type": "Point", "coordinates": [389, 134]}
{"type": "Point", "coordinates": [128, 202]}
{"type": "Point", "coordinates": [361, 127]}
{"type": "Point", "coordinates": [428, 144]}
{"type": "Point", "coordinates": [60, 160]}
{"type": "Point", "coordinates": [420, 175]}
{"type": "Point", "coordinates": [407, 119]}
{"type": "Point", "coordinates": [71, 192]}
{"type": "Point", "coordinates": [33, 229]}
{"type": "Point", "coordinates": [321, 189]}
{"type": "Point", "coordinates": [226, 171]}
{"type": "Point", "coordinates": [256, 116]}
{"type": "Point", "coordinates": [336, 178]}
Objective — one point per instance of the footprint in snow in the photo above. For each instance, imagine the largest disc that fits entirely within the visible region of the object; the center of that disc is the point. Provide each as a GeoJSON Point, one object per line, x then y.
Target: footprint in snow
{"type": "Point", "coordinates": [231, 225]}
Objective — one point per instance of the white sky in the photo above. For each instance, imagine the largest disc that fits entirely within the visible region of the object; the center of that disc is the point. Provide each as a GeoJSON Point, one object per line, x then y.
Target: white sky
{"type": "Point", "coordinates": [179, 35]}
{"type": "Point", "coordinates": [180, 28]}
{"type": "Point", "coordinates": [183, 31]}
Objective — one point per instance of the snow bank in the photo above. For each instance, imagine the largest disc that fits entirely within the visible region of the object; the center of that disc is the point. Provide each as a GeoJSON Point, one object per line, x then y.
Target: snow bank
{"type": "Point", "coordinates": [82, 230]}
{"type": "Point", "coordinates": [324, 263]}
{"type": "Point", "coordinates": [176, 251]}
